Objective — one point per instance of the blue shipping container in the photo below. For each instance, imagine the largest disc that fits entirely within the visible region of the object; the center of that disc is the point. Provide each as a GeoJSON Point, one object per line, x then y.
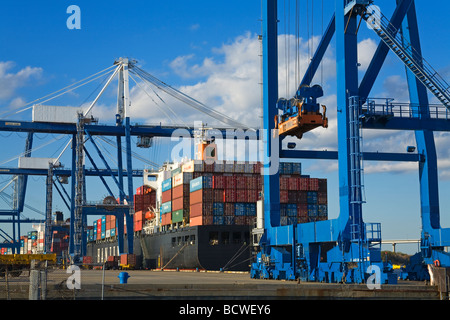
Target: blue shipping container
{"type": "Point", "coordinates": [291, 210]}
{"type": "Point", "coordinates": [283, 209]}
{"type": "Point", "coordinates": [218, 208]}
{"type": "Point", "coordinates": [323, 210]}
{"type": "Point", "coordinates": [218, 220]}
{"type": "Point", "coordinates": [250, 209]}
{"type": "Point", "coordinates": [203, 182]}
{"type": "Point", "coordinates": [239, 209]}
{"type": "Point", "coordinates": [228, 220]}
{"type": "Point", "coordinates": [296, 168]}
{"type": "Point", "coordinates": [166, 207]}
{"type": "Point", "coordinates": [166, 184]}
{"type": "Point", "coordinates": [312, 197]}
{"type": "Point", "coordinates": [312, 210]}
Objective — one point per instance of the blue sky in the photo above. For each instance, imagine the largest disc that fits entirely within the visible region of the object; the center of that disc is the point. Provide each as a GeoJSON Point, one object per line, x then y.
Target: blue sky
{"type": "Point", "coordinates": [208, 49]}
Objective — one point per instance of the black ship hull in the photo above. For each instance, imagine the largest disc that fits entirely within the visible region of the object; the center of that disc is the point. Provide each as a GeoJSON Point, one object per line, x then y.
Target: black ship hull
{"type": "Point", "coordinates": [209, 247]}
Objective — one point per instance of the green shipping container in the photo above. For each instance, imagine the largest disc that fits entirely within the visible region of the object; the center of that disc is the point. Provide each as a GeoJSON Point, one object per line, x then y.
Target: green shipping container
{"type": "Point", "coordinates": [177, 216]}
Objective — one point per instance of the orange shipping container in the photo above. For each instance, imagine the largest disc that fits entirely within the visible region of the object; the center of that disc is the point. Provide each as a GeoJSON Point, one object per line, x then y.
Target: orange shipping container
{"type": "Point", "coordinates": [166, 196]}
{"type": "Point", "coordinates": [180, 191]}
{"type": "Point", "coordinates": [202, 195]}
{"type": "Point", "coordinates": [201, 220]}
{"type": "Point", "coordinates": [138, 225]}
{"type": "Point", "coordinates": [138, 216]}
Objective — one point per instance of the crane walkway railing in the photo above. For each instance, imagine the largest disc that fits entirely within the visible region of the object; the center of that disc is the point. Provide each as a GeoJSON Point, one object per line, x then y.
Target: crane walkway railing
{"type": "Point", "coordinates": [412, 59]}
{"type": "Point", "coordinates": [386, 107]}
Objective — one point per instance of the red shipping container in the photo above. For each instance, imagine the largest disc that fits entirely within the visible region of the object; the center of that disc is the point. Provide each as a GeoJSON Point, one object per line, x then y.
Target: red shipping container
{"type": "Point", "coordinates": [252, 195]}
{"type": "Point", "coordinates": [219, 195]}
{"type": "Point", "coordinates": [260, 182]}
{"type": "Point", "coordinates": [166, 196]}
{"type": "Point", "coordinates": [293, 183]}
{"type": "Point", "coordinates": [143, 190]}
{"type": "Point", "coordinates": [313, 184]}
{"type": "Point", "coordinates": [284, 196]}
{"type": "Point", "coordinates": [302, 197]}
{"type": "Point", "coordinates": [230, 195]}
{"type": "Point", "coordinates": [284, 183]}
{"type": "Point", "coordinates": [241, 220]}
{"type": "Point", "coordinates": [241, 195]}
{"type": "Point", "coordinates": [322, 198]}
{"type": "Point", "coordinates": [228, 209]}
{"type": "Point", "coordinates": [302, 210]}
{"type": "Point", "coordinates": [230, 182]}
{"type": "Point", "coordinates": [241, 182]}
{"type": "Point", "coordinates": [252, 183]}
{"type": "Point", "coordinates": [303, 184]}
{"type": "Point", "coordinates": [219, 182]}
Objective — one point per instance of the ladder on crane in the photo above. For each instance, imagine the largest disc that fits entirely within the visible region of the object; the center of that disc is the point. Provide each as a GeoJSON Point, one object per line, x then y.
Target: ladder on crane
{"type": "Point", "coordinates": [412, 59]}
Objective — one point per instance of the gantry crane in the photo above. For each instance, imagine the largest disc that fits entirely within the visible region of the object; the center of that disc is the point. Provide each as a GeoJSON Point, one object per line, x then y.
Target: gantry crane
{"type": "Point", "coordinates": [347, 248]}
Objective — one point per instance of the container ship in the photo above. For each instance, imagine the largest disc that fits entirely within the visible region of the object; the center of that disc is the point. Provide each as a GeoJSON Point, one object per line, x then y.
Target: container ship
{"type": "Point", "coordinates": [195, 214]}
{"type": "Point", "coordinates": [199, 214]}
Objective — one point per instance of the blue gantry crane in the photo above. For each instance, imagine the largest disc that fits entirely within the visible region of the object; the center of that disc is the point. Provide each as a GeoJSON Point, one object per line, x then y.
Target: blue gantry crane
{"type": "Point", "coordinates": [348, 249]}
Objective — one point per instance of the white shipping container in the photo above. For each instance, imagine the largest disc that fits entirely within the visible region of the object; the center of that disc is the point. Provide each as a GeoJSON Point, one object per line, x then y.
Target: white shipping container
{"type": "Point", "coordinates": [56, 114]}
{"type": "Point", "coordinates": [108, 233]}
{"type": "Point", "coordinates": [36, 163]}
{"type": "Point", "coordinates": [193, 166]}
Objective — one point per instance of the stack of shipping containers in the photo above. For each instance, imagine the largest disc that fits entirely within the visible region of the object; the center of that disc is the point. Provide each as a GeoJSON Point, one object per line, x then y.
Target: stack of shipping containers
{"type": "Point", "coordinates": [144, 206]}
{"type": "Point", "coordinates": [33, 242]}
{"type": "Point", "coordinates": [166, 202]}
{"type": "Point", "coordinates": [225, 193]}
{"type": "Point", "coordinates": [180, 196]}
{"type": "Point", "coordinates": [302, 198]}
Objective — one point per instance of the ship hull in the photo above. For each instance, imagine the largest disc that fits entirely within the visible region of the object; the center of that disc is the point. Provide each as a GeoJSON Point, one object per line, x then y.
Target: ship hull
{"type": "Point", "coordinates": [210, 247]}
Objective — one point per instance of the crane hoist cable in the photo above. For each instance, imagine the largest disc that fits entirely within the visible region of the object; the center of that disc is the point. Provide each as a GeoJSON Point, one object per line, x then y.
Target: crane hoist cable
{"type": "Point", "coordinates": [187, 99]}
{"type": "Point", "coordinates": [59, 92]}
{"type": "Point", "coordinates": [157, 105]}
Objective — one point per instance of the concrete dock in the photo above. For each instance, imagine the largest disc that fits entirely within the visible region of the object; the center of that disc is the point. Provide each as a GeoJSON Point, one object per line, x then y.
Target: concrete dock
{"type": "Point", "coordinates": [181, 285]}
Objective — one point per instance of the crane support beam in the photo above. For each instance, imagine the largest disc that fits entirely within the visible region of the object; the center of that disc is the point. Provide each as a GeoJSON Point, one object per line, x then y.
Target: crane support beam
{"type": "Point", "coordinates": [368, 156]}
{"type": "Point", "coordinates": [107, 130]}
{"type": "Point", "coordinates": [270, 97]}
{"type": "Point", "coordinates": [66, 172]}
{"type": "Point", "coordinates": [382, 50]}
{"type": "Point", "coordinates": [412, 124]}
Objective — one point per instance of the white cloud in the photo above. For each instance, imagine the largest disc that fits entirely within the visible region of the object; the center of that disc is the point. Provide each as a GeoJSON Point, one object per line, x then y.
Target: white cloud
{"type": "Point", "coordinates": [10, 81]}
{"type": "Point", "coordinates": [230, 86]}
{"type": "Point", "coordinates": [366, 50]}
